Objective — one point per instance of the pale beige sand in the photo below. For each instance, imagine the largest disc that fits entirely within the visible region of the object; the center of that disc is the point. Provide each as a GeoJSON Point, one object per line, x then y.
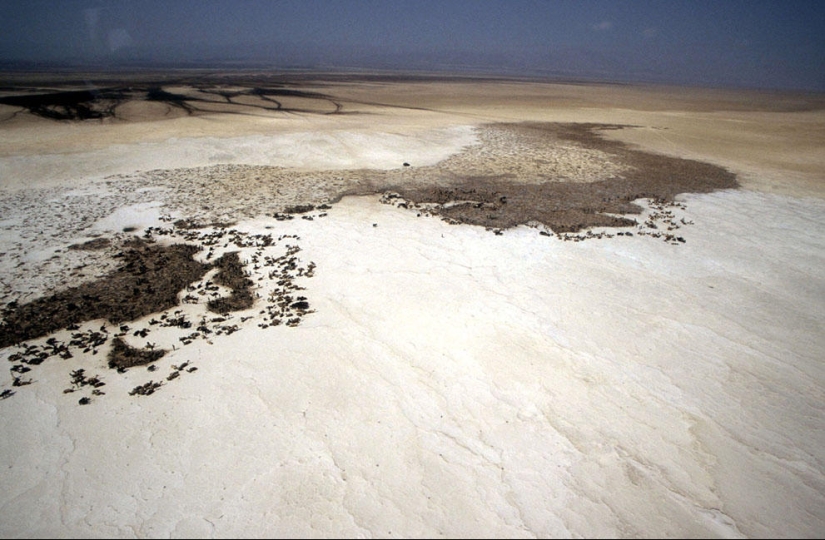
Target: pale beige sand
{"type": "Point", "coordinates": [449, 382]}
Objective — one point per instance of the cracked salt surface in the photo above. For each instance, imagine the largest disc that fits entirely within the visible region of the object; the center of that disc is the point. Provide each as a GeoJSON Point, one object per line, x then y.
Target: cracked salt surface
{"type": "Point", "coordinates": [458, 383]}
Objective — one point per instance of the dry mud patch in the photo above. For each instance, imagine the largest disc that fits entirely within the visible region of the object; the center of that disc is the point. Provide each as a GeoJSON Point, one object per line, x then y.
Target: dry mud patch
{"type": "Point", "coordinates": [202, 277]}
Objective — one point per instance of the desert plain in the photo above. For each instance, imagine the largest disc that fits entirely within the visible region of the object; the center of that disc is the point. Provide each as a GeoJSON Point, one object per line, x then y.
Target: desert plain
{"type": "Point", "coordinates": [323, 305]}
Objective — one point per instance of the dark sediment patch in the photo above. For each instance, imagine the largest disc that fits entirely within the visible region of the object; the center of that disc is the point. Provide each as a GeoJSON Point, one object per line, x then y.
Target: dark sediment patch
{"type": "Point", "coordinates": [123, 356]}
{"type": "Point", "coordinates": [232, 275]}
{"type": "Point", "coordinates": [501, 202]}
{"type": "Point", "coordinates": [191, 224]}
{"type": "Point", "coordinates": [92, 245]}
{"type": "Point", "coordinates": [148, 281]}
{"type": "Point", "coordinates": [299, 209]}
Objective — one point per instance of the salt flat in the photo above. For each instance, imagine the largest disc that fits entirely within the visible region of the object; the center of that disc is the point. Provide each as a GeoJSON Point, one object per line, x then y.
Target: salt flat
{"type": "Point", "coordinates": [448, 380]}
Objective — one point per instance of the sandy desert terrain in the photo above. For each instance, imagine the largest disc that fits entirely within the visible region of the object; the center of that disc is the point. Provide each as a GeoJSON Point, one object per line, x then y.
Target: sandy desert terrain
{"type": "Point", "coordinates": [254, 305]}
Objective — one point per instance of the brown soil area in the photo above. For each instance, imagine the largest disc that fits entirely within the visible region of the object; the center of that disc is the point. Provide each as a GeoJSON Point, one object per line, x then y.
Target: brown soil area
{"type": "Point", "coordinates": [500, 202]}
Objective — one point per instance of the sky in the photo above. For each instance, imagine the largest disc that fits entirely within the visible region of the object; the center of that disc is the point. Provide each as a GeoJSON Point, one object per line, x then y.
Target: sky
{"type": "Point", "coordinates": [729, 43]}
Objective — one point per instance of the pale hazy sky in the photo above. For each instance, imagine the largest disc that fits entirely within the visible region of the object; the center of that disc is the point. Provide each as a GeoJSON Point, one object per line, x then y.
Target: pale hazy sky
{"type": "Point", "coordinates": [755, 43]}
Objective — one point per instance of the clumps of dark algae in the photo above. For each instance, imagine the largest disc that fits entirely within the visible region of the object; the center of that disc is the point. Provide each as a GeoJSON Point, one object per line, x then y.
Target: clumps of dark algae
{"type": "Point", "coordinates": [148, 281]}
